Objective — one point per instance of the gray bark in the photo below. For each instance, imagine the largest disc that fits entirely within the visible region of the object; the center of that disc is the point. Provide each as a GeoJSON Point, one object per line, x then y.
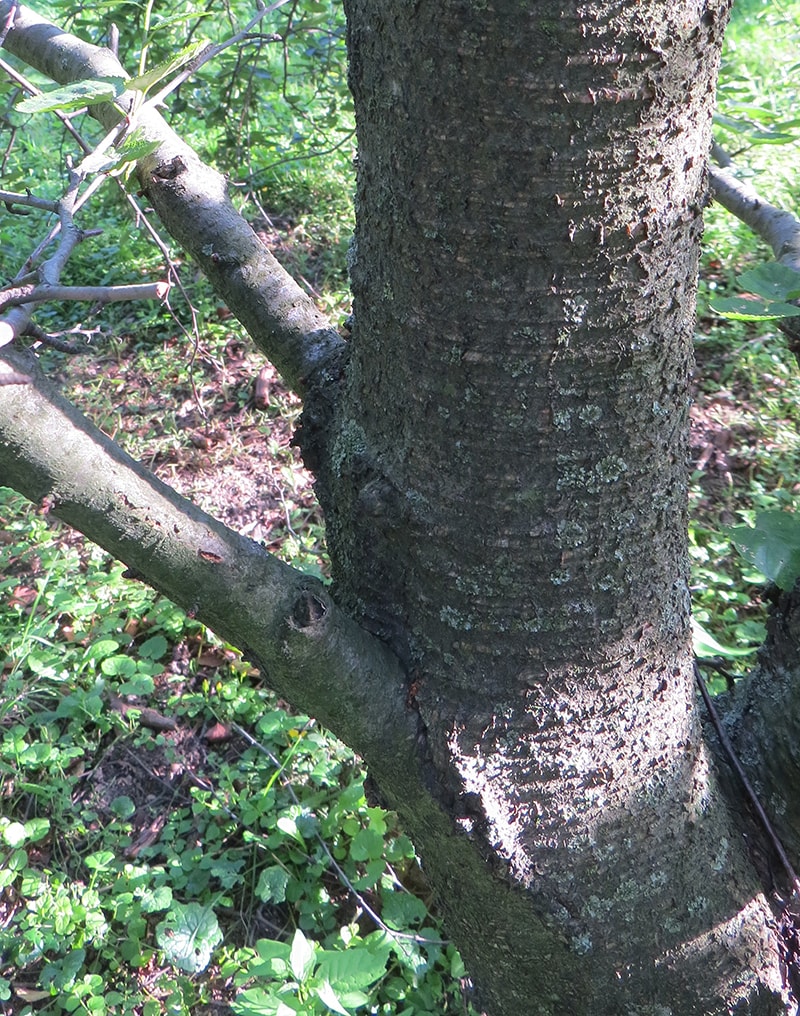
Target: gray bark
{"type": "Point", "coordinates": [506, 493]}
{"type": "Point", "coordinates": [505, 484]}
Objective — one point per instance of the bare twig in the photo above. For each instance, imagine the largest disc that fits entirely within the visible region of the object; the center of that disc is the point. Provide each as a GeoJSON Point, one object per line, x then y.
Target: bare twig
{"type": "Point", "coordinates": [97, 294]}
{"type": "Point", "coordinates": [210, 52]}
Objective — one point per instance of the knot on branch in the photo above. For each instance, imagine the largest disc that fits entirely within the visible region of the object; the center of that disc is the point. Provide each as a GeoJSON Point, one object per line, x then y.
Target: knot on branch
{"type": "Point", "coordinates": [308, 610]}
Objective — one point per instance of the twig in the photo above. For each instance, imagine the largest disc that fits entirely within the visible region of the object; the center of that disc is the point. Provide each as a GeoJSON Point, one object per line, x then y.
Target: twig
{"type": "Point", "coordinates": [210, 52]}
{"type": "Point", "coordinates": [724, 740]}
{"type": "Point", "coordinates": [98, 294]}
{"type": "Point", "coordinates": [39, 335]}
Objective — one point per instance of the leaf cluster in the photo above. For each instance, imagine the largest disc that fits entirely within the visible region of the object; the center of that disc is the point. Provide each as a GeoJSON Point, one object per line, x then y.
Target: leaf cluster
{"type": "Point", "coordinates": [269, 880]}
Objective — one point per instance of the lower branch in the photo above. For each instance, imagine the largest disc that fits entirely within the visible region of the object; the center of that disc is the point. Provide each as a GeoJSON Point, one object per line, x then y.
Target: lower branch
{"type": "Point", "coordinates": [779, 228]}
{"type": "Point", "coordinates": [309, 651]}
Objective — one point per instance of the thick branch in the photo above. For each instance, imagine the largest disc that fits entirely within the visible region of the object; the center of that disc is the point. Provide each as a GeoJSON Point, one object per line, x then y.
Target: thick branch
{"type": "Point", "coordinates": [779, 228]}
{"type": "Point", "coordinates": [308, 650]}
{"type": "Point", "coordinates": [192, 201]}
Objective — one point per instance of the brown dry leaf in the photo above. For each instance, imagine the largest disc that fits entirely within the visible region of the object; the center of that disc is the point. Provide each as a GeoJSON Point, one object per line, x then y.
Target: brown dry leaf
{"type": "Point", "coordinates": [217, 732]}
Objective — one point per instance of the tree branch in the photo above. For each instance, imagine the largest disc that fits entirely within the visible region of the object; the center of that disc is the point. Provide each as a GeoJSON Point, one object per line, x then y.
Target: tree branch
{"type": "Point", "coordinates": [99, 294]}
{"type": "Point", "coordinates": [194, 205]}
{"type": "Point", "coordinates": [779, 228]}
{"type": "Point", "coordinates": [308, 650]}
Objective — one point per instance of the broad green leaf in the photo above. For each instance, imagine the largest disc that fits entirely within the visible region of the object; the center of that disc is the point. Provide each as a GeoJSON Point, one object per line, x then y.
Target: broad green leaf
{"type": "Point", "coordinates": [156, 899]}
{"type": "Point", "coordinates": [116, 666]}
{"type": "Point", "coordinates": [402, 910]}
{"type": "Point", "coordinates": [63, 972]}
{"type": "Point", "coordinates": [457, 968]}
{"type": "Point", "coordinates": [273, 961]}
{"type": "Point", "coordinates": [188, 935]}
{"type": "Point", "coordinates": [367, 845]}
{"type": "Point", "coordinates": [288, 827]}
{"type": "Point", "coordinates": [14, 834]}
{"type": "Point", "coordinates": [123, 807]}
{"type": "Point", "coordinates": [352, 796]}
{"type": "Point", "coordinates": [99, 860]}
{"type": "Point", "coordinates": [82, 93]}
{"type": "Point", "coordinates": [356, 967]}
{"type": "Point", "coordinates": [132, 148]}
{"type": "Point", "coordinates": [739, 309]}
{"type": "Point", "coordinates": [776, 135]}
{"type": "Point", "coordinates": [256, 1002]}
{"type": "Point", "coordinates": [272, 884]}
{"type": "Point", "coordinates": [706, 645]}
{"type": "Point", "coordinates": [154, 647]}
{"type": "Point", "coordinates": [301, 956]}
{"type": "Point", "coordinates": [327, 996]}
{"type": "Point", "coordinates": [100, 649]}
{"type": "Point", "coordinates": [771, 280]}
{"type": "Point", "coordinates": [772, 545]}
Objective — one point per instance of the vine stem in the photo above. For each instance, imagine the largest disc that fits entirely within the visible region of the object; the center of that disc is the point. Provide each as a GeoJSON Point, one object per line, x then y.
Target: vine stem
{"type": "Point", "coordinates": [733, 758]}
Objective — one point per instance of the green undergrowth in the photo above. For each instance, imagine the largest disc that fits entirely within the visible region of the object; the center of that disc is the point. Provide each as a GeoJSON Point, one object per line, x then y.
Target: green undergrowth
{"type": "Point", "coordinates": [172, 838]}
{"type": "Point", "coordinates": [745, 446]}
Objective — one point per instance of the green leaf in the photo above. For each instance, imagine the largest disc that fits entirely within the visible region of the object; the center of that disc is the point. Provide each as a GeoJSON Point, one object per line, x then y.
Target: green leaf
{"type": "Point", "coordinates": [737, 308]}
{"type": "Point", "coordinates": [14, 834]}
{"type": "Point", "coordinates": [63, 972]}
{"type": "Point", "coordinates": [772, 545]}
{"type": "Point", "coordinates": [157, 899]}
{"type": "Point", "coordinates": [706, 645]}
{"type": "Point", "coordinates": [82, 93]}
{"type": "Point", "coordinates": [773, 281]}
{"type": "Point", "coordinates": [301, 956]}
{"type": "Point", "coordinates": [777, 135]}
{"type": "Point", "coordinates": [402, 910]}
{"type": "Point", "coordinates": [116, 666]}
{"type": "Point", "coordinates": [123, 807]}
{"type": "Point", "coordinates": [145, 81]}
{"type": "Point", "coordinates": [154, 647]}
{"type": "Point", "coordinates": [367, 845]}
{"type": "Point", "coordinates": [288, 827]}
{"type": "Point", "coordinates": [352, 796]}
{"type": "Point", "coordinates": [356, 967]}
{"type": "Point", "coordinates": [272, 884]}
{"type": "Point", "coordinates": [273, 960]}
{"type": "Point", "coordinates": [457, 968]}
{"type": "Point", "coordinates": [100, 649]}
{"type": "Point", "coordinates": [327, 996]}
{"type": "Point", "coordinates": [101, 860]}
{"type": "Point", "coordinates": [256, 1002]}
{"type": "Point", "coordinates": [188, 936]}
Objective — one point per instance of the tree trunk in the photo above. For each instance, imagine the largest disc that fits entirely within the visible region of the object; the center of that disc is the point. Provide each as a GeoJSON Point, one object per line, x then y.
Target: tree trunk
{"type": "Point", "coordinates": [504, 480]}
{"type": "Point", "coordinates": [506, 491]}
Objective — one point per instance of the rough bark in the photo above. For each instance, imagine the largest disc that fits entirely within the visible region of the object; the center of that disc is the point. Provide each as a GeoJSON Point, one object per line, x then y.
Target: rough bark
{"type": "Point", "coordinates": [505, 488]}
{"type": "Point", "coordinates": [763, 716]}
{"type": "Point", "coordinates": [506, 492]}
